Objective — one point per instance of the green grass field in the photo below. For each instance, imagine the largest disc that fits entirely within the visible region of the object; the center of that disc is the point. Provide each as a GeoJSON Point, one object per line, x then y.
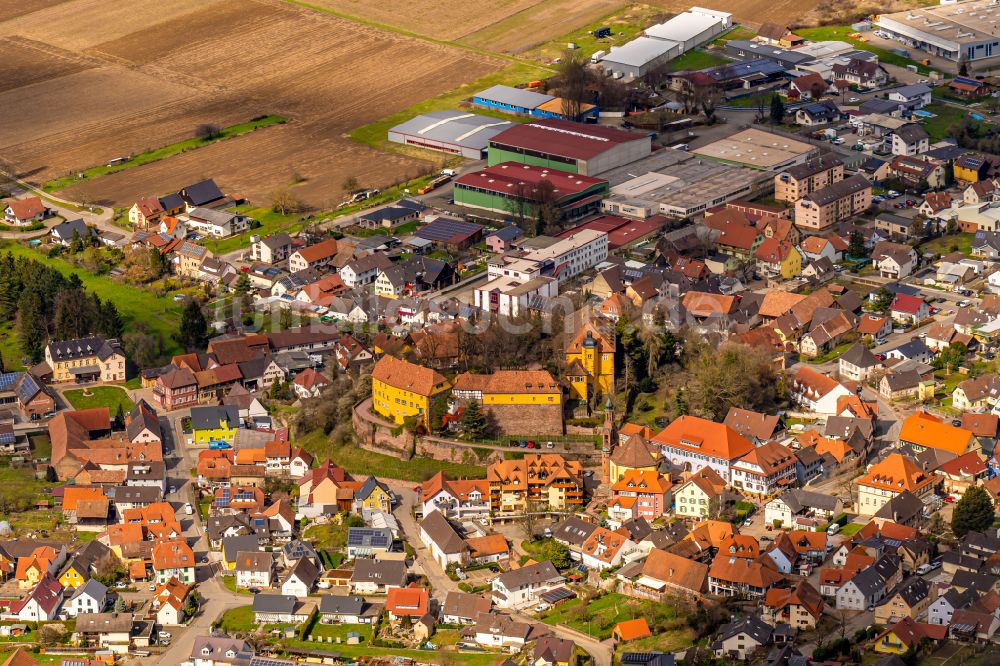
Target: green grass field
{"type": "Point", "coordinates": [696, 59]}
{"type": "Point", "coordinates": [238, 619]}
{"type": "Point", "coordinates": [960, 242]}
{"type": "Point", "coordinates": [603, 614]}
{"type": "Point", "coordinates": [160, 314]}
{"type": "Point", "coordinates": [945, 117]}
{"type": "Point", "coordinates": [839, 33]}
{"type": "Point", "coordinates": [158, 154]}
{"type": "Point", "coordinates": [850, 529]}
{"type": "Point", "coordinates": [102, 396]}
{"type": "Point", "coordinates": [360, 461]}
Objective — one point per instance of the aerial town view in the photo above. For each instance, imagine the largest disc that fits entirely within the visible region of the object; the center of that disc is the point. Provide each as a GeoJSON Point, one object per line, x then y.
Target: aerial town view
{"type": "Point", "coordinates": [507, 333]}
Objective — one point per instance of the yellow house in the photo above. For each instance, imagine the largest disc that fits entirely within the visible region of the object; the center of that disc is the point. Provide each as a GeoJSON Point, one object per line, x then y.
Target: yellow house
{"type": "Point", "coordinates": [215, 424]}
{"type": "Point", "coordinates": [74, 575]}
{"type": "Point", "coordinates": [188, 258]}
{"type": "Point", "coordinates": [401, 389]}
{"type": "Point", "coordinates": [970, 168]}
{"type": "Point", "coordinates": [779, 258]}
{"type": "Point", "coordinates": [905, 634]}
{"type": "Point", "coordinates": [373, 495]}
{"type": "Point", "coordinates": [590, 363]}
{"type": "Point", "coordinates": [86, 360]}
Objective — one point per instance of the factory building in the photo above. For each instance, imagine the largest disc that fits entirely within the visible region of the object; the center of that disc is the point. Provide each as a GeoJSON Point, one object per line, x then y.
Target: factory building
{"type": "Point", "coordinates": [588, 150]}
{"type": "Point", "coordinates": [453, 132]}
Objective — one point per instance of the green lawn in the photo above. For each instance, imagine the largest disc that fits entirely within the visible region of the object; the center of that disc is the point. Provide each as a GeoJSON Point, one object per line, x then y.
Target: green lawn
{"type": "Point", "coordinates": [850, 529]}
{"type": "Point", "coordinates": [669, 641]}
{"type": "Point", "coordinates": [327, 536]}
{"type": "Point", "coordinates": [359, 461]}
{"type": "Point", "coordinates": [41, 445]}
{"type": "Point", "coordinates": [960, 242]}
{"type": "Point", "coordinates": [696, 59]}
{"type": "Point", "coordinates": [375, 134]}
{"type": "Point", "coordinates": [270, 223]}
{"type": "Point", "coordinates": [238, 619]}
{"type": "Point", "coordinates": [833, 353]}
{"type": "Point", "coordinates": [945, 117]}
{"type": "Point", "coordinates": [162, 153]}
{"type": "Point", "coordinates": [9, 351]}
{"type": "Point", "coordinates": [602, 615]}
{"type": "Point", "coordinates": [840, 32]}
{"type": "Point", "coordinates": [737, 32]}
{"type": "Point", "coordinates": [54, 659]}
{"type": "Point", "coordinates": [160, 314]}
{"type": "Point", "coordinates": [102, 396]}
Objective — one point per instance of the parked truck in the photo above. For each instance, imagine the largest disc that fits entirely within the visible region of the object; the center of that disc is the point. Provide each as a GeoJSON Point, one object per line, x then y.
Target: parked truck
{"type": "Point", "coordinates": [434, 184]}
{"type": "Point", "coordinates": [596, 58]}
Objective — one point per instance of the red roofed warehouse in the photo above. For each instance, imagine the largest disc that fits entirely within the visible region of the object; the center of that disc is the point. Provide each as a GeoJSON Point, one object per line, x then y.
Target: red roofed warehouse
{"type": "Point", "coordinates": [588, 150]}
{"type": "Point", "coordinates": [495, 187]}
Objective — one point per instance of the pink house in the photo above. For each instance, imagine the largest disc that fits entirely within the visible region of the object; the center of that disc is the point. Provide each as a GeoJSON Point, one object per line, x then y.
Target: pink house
{"type": "Point", "coordinates": [502, 240]}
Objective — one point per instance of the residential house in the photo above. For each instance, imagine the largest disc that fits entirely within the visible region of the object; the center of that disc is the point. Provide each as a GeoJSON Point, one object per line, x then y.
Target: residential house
{"type": "Point", "coordinates": [173, 559]}
{"type": "Point", "coordinates": [314, 256]}
{"type": "Point", "coordinates": [254, 569]}
{"type": "Point", "coordinates": [24, 212]}
{"type": "Point", "coordinates": [522, 587]}
{"type": "Point", "coordinates": [463, 608]}
{"type": "Point", "coordinates": [91, 597]}
{"type": "Point", "coordinates": [348, 609]}
{"type": "Point", "coordinates": [545, 478]}
{"type": "Point", "coordinates": [215, 223]}
{"type": "Point", "coordinates": [909, 599]}
{"type": "Point", "coordinates": [818, 113]}
{"type": "Point", "coordinates": [888, 478]}
{"type": "Point", "coordinates": [699, 496]}
{"type": "Point", "coordinates": [85, 360]}
{"type": "Point", "coordinates": [922, 430]}
{"type": "Point", "coordinates": [280, 609]}
{"type": "Point", "coordinates": [861, 72]}
{"type": "Point", "coordinates": [455, 498]}
{"type": "Point", "coordinates": [272, 249]}
{"type": "Point", "coordinates": [695, 442]}
{"type": "Point", "coordinates": [401, 389]}
{"type": "Point", "coordinates": [905, 635]}
{"type": "Point", "coordinates": [739, 577]}
{"type": "Point", "coordinates": [41, 604]}
{"type": "Point", "coordinates": [911, 97]}
{"type": "Point", "coordinates": [907, 309]}
{"type": "Point", "coordinates": [800, 607]}
{"type": "Point", "coordinates": [368, 541]}
{"type": "Point", "coordinates": [894, 260]}
{"type": "Point", "coordinates": [445, 545]}
{"type": "Point", "coordinates": [764, 470]}
{"type": "Point", "coordinates": [406, 602]}
{"type": "Point", "coordinates": [857, 363]}
{"type": "Point", "coordinates": [377, 576]}
{"type": "Point", "coordinates": [741, 639]}
{"type": "Point", "coordinates": [778, 259]}
{"type": "Point", "coordinates": [910, 139]}
{"type": "Point", "coordinates": [301, 579]}
{"type": "Point", "coordinates": [791, 504]}
{"type": "Point", "coordinates": [108, 631]}
{"type": "Point", "coordinates": [817, 392]}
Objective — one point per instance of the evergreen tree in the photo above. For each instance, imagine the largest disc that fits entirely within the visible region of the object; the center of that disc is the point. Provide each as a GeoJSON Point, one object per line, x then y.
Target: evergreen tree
{"type": "Point", "coordinates": [680, 404]}
{"type": "Point", "coordinates": [193, 333]}
{"type": "Point", "coordinates": [110, 321]}
{"type": "Point", "coordinates": [777, 110]}
{"type": "Point", "coordinates": [856, 247]}
{"type": "Point", "coordinates": [30, 326]}
{"type": "Point", "coordinates": [73, 315]}
{"type": "Point", "coordinates": [439, 409]}
{"type": "Point", "coordinates": [119, 418]}
{"type": "Point", "coordinates": [974, 512]}
{"type": "Point", "coordinates": [474, 420]}
{"type": "Point", "coordinates": [242, 285]}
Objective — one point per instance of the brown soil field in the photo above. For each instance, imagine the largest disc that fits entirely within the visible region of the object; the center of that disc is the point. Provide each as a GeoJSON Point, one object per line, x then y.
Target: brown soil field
{"type": "Point", "coordinates": [13, 8]}
{"type": "Point", "coordinates": [153, 79]}
{"type": "Point", "coordinates": [441, 19]}
{"type": "Point", "coordinates": [751, 12]}
{"type": "Point", "coordinates": [543, 22]}
{"type": "Point", "coordinates": [25, 62]}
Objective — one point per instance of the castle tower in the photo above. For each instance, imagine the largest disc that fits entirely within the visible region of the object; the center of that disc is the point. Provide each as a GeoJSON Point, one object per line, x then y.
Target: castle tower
{"type": "Point", "coordinates": [609, 440]}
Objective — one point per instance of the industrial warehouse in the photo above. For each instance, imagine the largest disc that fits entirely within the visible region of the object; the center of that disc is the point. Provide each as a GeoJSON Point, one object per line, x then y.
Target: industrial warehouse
{"type": "Point", "coordinates": [665, 41]}
{"type": "Point", "coordinates": [758, 149]}
{"type": "Point", "coordinates": [559, 144]}
{"type": "Point", "coordinates": [530, 103]}
{"type": "Point", "coordinates": [957, 31]}
{"type": "Point", "coordinates": [453, 132]}
{"type": "Point", "coordinates": [499, 188]}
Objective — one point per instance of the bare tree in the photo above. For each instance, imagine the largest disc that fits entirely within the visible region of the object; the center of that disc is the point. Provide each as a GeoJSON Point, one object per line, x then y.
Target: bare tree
{"type": "Point", "coordinates": [207, 131]}
{"type": "Point", "coordinates": [530, 518]}
{"type": "Point", "coordinates": [574, 80]}
{"type": "Point", "coordinates": [284, 202]}
{"type": "Point", "coordinates": [519, 205]}
{"type": "Point", "coordinates": [349, 185]}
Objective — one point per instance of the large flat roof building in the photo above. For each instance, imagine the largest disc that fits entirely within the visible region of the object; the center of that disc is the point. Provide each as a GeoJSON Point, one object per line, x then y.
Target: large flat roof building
{"type": "Point", "coordinates": [454, 132]}
{"type": "Point", "coordinates": [528, 103]}
{"type": "Point", "coordinates": [567, 146]}
{"type": "Point", "coordinates": [961, 30]}
{"type": "Point", "coordinates": [499, 187]}
{"type": "Point", "coordinates": [758, 149]}
{"type": "Point", "coordinates": [684, 189]}
{"type": "Point", "coordinates": [665, 41]}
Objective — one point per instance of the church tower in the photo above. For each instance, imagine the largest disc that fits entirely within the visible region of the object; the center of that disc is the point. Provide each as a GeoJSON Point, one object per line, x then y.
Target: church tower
{"type": "Point", "coordinates": [609, 440]}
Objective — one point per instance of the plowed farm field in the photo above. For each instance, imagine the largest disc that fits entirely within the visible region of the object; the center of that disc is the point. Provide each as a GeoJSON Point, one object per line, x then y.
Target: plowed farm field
{"type": "Point", "coordinates": [751, 12]}
{"type": "Point", "coordinates": [92, 80]}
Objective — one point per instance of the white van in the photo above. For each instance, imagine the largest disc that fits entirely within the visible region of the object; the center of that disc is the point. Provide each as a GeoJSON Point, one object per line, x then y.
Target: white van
{"type": "Point", "coordinates": [833, 529]}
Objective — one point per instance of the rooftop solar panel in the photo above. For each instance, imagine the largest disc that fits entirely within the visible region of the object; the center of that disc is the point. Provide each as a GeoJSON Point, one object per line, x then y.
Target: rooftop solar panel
{"type": "Point", "coordinates": [446, 228]}
{"type": "Point", "coordinates": [557, 595]}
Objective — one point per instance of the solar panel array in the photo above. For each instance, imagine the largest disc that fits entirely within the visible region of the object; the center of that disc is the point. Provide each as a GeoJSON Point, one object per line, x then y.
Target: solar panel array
{"type": "Point", "coordinates": [8, 379]}
{"type": "Point", "coordinates": [222, 499]}
{"type": "Point", "coordinates": [267, 661]}
{"type": "Point", "coordinates": [362, 536]}
{"type": "Point", "coordinates": [28, 388]}
{"type": "Point", "coordinates": [557, 595]}
{"type": "Point", "coordinates": [446, 228]}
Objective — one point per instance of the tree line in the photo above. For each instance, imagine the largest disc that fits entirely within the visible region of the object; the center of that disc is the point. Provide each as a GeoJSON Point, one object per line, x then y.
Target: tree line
{"type": "Point", "coordinates": [44, 305]}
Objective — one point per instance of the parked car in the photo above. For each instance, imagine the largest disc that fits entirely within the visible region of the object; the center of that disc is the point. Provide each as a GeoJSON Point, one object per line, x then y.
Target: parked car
{"type": "Point", "coordinates": [541, 608]}
{"type": "Point", "coordinates": [852, 100]}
